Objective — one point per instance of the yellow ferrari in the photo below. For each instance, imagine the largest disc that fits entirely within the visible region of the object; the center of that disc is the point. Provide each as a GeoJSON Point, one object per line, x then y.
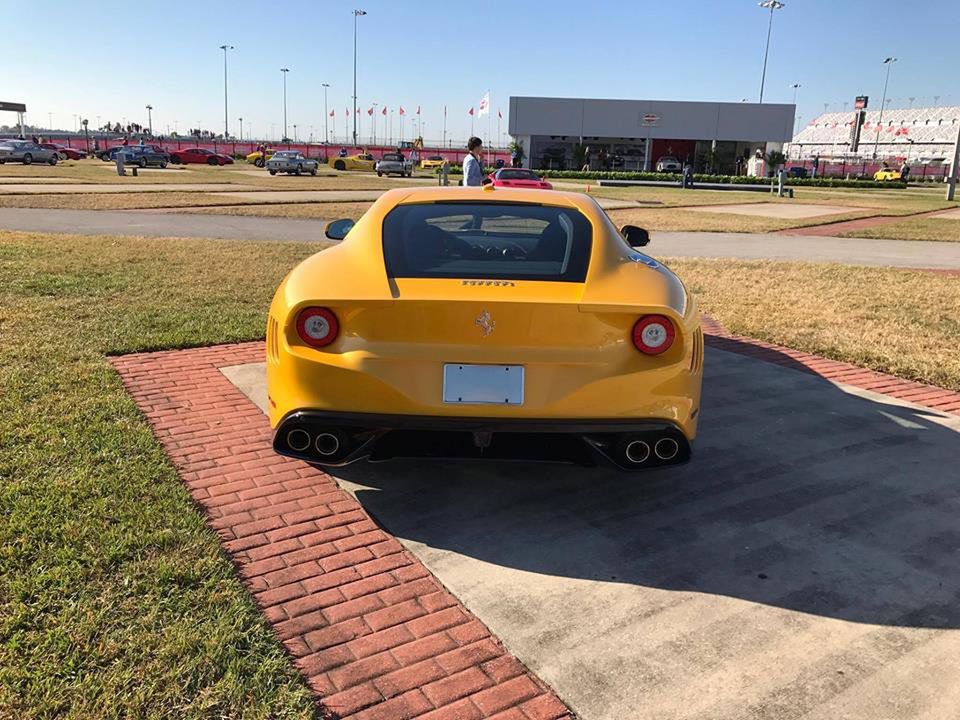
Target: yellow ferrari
{"type": "Point", "coordinates": [484, 322]}
{"type": "Point", "coordinates": [363, 161]}
{"type": "Point", "coordinates": [258, 159]}
{"type": "Point", "coordinates": [886, 174]}
{"type": "Point", "coordinates": [432, 162]}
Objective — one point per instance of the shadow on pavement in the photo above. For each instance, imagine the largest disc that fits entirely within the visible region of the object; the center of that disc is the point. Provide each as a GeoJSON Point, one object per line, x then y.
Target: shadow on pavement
{"type": "Point", "coordinates": [799, 496]}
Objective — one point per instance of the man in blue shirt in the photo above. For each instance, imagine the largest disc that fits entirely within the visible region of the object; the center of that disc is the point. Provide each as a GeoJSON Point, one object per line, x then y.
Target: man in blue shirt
{"type": "Point", "coordinates": [473, 164]}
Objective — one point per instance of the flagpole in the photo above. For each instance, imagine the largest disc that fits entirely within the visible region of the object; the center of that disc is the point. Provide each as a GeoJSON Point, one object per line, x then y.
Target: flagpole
{"type": "Point", "coordinates": [444, 126]}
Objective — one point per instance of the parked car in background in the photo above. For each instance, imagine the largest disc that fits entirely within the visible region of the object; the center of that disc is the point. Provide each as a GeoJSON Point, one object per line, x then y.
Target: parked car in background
{"type": "Point", "coordinates": [292, 162]}
{"type": "Point", "coordinates": [668, 163]}
{"type": "Point", "coordinates": [144, 155]}
{"type": "Point", "coordinates": [26, 152]}
{"type": "Point", "coordinates": [518, 178]}
{"type": "Point", "coordinates": [199, 156]}
{"type": "Point", "coordinates": [434, 161]}
{"type": "Point", "coordinates": [887, 175]}
{"type": "Point", "coordinates": [65, 153]}
{"type": "Point", "coordinates": [363, 161]}
{"type": "Point", "coordinates": [394, 164]}
{"type": "Point", "coordinates": [798, 172]}
{"type": "Point", "coordinates": [110, 154]}
{"type": "Point", "coordinates": [258, 160]}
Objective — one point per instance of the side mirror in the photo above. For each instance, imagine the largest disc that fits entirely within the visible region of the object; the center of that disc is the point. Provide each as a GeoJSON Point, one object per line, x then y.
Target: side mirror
{"type": "Point", "coordinates": [338, 229]}
{"type": "Point", "coordinates": [635, 236]}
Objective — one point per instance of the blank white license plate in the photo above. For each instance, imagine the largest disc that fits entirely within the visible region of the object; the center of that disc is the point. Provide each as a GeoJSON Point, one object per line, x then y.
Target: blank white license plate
{"type": "Point", "coordinates": [483, 384]}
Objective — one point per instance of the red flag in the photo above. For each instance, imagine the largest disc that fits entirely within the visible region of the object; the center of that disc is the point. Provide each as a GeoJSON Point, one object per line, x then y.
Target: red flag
{"type": "Point", "coordinates": [370, 110]}
{"type": "Point", "coordinates": [331, 113]}
{"type": "Point", "coordinates": [470, 111]}
{"type": "Point", "coordinates": [384, 110]}
{"type": "Point", "coordinates": [418, 109]}
{"type": "Point", "coordinates": [402, 111]}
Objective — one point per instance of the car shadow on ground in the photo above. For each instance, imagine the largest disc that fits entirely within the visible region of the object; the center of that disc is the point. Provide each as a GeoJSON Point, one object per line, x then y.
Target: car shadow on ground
{"type": "Point", "coordinates": [799, 495]}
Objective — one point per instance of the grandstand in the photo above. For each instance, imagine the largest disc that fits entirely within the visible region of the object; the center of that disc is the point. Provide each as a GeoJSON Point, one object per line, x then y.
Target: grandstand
{"type": "Point", "coordinates": [919, 135]}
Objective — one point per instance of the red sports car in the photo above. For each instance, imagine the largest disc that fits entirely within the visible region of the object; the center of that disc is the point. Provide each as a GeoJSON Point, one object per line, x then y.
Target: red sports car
{"type": "Point", "coordinates": [66, 153]}
{"type": "Point", "coordinates": [518, 178]}
{"type": "Point", "coordinates": [199, 156]}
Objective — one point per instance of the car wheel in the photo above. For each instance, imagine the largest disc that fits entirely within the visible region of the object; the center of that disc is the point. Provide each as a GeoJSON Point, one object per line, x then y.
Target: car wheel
{"type": "Point", "coordinates": [211, 161]}
{"type": "Point", "coordinates": [314, 172]}
{"type": "Point", "coordinates": [27, 159]}
{"type": "Point", "coordinates": [273, 172]}
{"type": "Point", "coordinates": [53, 159]}
{"type": "Point", "coordinates": [163, 163]}
{"type": "Point", "coordinates": [142, 162]}
{"type": "Point", "coordinates": [339, 165]}
{"type": "Point", "coordinates": [299, 170]}
{"type": "Point", "coordinates": [258, 162]}
{"type": "Point", "coordinates": [379, 174]}
{"type": "Point", "coordinates": [176, 160]}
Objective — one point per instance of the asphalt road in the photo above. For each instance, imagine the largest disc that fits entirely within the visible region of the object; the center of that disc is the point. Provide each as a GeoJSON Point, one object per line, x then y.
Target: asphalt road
{"type": "Point", "coordinates": [803, 564]}
{"type": "Point", "coordinates": [852, 251]}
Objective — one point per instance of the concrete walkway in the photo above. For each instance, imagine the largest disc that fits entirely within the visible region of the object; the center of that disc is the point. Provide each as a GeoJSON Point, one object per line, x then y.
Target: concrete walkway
{"type": "Point", "coordinates": [852, 251]}
{"type": "Point", "coordinates": [802, 564]}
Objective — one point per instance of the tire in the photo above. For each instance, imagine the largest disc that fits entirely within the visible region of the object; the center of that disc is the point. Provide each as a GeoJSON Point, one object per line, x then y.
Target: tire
{"type": "Point", "coordinates": [176, 160]}
{"type": "Point", "coordinates": [379, 174]}
{"type": "Point", "coordinates": [314, 172]}
{"type": "Point", "coordinates": [259, 162]}
{"type": "Point", "coordinates": [142, 162]}
{"type": "Point", "coordinates": [298, 171]}
{"type": "Point", "coordinates": [212, 161]}
{"type": "Point", "coordinates": [163, 164]}
{"type": "Point", "coordinates": [53, 160]}
{"type": "Point", "coordinates": [339, 165]}
{"type": "Point", "coordinates": [28, 159]}
{"type": "Point", "coordinates": [273, 172]}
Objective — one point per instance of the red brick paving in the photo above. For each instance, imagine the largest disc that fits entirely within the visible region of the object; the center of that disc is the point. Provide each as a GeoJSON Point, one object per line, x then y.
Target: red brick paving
{"type": "Point", "coordinates": [838, 227]}
{"type": "Point", "coordinates": [374, 633]}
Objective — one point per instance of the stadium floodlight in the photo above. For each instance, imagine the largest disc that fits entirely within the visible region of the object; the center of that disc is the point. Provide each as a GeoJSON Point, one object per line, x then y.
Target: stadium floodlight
{"type": "Point", "coordinates": [770, 5]}
{"type": "Point", "coordinates": [883, 102]}
{"type": "Point", "coordinates": [285, 71]}
{"type": "Point", "coordinates": [795, 86]}
{"type": "Point", "coordinates": [226, 121]}
{"type": "Point", "coordinates": [356, 14]}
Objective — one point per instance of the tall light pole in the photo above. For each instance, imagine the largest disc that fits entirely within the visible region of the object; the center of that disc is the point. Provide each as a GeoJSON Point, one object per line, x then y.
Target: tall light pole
{"type": "Point", "coordinates": [356, 14]}
{"type": "Point", "coordinates": [770, 5]}
{"type": "Point", "coordinates": [150, 119]}
{"type": "Point", "coordinates": [795, 86]}
{"type": "Point", "coordinates": [241, 129]}
{"type": "Point", "coordinates": [326, 116]}
{"type": "Point", "coordinates": [889, 63]}
{"type": "Point", "coordinates": [226, 123]}
{"type": "Point", "coordinates": [285, 71]}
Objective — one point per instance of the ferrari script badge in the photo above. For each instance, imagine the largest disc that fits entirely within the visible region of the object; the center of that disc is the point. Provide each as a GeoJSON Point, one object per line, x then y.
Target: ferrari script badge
{"type": "Point", "coordinates": [485, 323]}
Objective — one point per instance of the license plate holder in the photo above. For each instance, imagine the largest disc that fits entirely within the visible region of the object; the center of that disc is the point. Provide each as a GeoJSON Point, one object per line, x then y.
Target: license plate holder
{"type": "Point", "coordinates": [465, 384]}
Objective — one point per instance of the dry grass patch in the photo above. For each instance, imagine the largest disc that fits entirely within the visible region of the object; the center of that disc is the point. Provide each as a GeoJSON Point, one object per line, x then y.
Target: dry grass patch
{"type": "Point", "coordinates": [316, 210]}
{"type": "Point", "coordinates": [902, 322]}
{"type": "Point", "coordinates": [678, 220]}
{"type": "Point", "coordinates": [116, 201]}
{"type": "Point", "coordinates": [925, 228]}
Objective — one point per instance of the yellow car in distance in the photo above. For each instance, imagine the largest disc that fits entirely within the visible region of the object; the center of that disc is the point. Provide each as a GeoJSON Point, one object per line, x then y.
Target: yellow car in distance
{"type": "Point", "coordinates": [362, 161]}
{"type": "Point", "coordinates": [257, 159]}
{"type": "Point", "coordinates": [887, 174]}
{"type": "Point", "coordinates": [432, 162]}
{"type": "Point", "coordinates": [484, 323]}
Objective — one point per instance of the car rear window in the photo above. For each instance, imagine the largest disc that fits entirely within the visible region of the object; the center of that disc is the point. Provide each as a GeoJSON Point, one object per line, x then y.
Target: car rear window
{"type": "Point", "coordinates": [494, 241]}
{"type": "Point", "coordinates": [517, 175]}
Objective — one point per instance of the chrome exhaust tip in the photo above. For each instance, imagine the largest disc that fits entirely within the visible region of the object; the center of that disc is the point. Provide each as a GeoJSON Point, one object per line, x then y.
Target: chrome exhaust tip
{"type": "Point", "coordinates": [666, 448]}
{"type": "Point", "coordinates": [637, 451]}
{"type": "Point", "coordinates": [298, 440]}
{"type": "Point", "coordinates": [327, 444]}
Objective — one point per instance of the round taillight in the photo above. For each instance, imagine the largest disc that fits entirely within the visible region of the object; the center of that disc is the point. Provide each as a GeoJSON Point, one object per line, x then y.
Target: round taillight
{"type": "Point", "coordinates": [317, 326]}
{"type": "Point", "coordinates": [653, 334]}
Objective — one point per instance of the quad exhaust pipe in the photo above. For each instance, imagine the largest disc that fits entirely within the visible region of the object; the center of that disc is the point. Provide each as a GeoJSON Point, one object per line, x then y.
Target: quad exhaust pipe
{"type": "Point", "coordinates": [654, 448]}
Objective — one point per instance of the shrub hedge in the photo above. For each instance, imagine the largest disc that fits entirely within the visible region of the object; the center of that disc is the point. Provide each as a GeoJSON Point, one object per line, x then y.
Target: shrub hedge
{"type": "Point", "coordinates": [725, 179]}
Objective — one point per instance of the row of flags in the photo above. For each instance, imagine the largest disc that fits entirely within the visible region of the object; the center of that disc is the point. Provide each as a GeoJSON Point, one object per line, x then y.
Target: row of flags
{"type": "Point", "coordinates": [484, 109]}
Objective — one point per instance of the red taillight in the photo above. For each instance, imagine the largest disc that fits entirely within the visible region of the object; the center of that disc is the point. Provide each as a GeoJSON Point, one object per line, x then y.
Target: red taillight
{"type": "Point", "coordinates": [653, 334]}
{"type": "Point", "coordinates": [317, 326]}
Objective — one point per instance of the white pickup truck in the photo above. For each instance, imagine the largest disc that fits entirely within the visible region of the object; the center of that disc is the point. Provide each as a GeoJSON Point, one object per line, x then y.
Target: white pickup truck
{"type": "Point", "coordinates": [394, 164]}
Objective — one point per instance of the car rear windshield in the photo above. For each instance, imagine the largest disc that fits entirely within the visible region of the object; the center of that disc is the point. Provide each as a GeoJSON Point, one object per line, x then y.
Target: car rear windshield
{"type": "Point", "coordinates": [495, 241]}
{"type": "Point", "coordinates": [517, 175]}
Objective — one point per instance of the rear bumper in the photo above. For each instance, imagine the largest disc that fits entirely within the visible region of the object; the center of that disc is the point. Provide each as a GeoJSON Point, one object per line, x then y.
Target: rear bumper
{"type": "Point", "coordinates": [335, 439]}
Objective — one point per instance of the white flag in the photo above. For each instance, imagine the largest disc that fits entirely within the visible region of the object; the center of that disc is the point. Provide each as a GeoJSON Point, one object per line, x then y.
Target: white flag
{"type": "Point", "coordinates": [484, 105]}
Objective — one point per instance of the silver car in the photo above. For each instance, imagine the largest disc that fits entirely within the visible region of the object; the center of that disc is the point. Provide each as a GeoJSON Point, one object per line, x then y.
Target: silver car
{"type": "Point", "coordinates": [394, 164]}
{"type": "Point", "coordinates": [291, 161]}
{"type": "Point", "coordinates": [26, 152]}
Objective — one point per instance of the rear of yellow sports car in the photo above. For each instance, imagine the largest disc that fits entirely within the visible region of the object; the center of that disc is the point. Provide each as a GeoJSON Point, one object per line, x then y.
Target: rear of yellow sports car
{"type": "Point", "coordinates": [487, 323]}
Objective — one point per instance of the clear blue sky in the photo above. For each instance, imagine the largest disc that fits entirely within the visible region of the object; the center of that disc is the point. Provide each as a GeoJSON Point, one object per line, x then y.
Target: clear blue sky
{"type": "Point", "coordinates": [110, 59]}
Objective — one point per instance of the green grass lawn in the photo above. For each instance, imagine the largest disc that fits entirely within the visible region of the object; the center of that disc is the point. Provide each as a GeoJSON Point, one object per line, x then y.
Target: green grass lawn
{"type": "Point", "coordinates": [115, 598]}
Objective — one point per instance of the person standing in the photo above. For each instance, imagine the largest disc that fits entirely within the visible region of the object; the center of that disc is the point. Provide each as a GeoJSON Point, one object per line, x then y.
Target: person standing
{"type": "Point", "coordinates": [904, 171]}
{"type": "Point", "coordinates": [472, 163]}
